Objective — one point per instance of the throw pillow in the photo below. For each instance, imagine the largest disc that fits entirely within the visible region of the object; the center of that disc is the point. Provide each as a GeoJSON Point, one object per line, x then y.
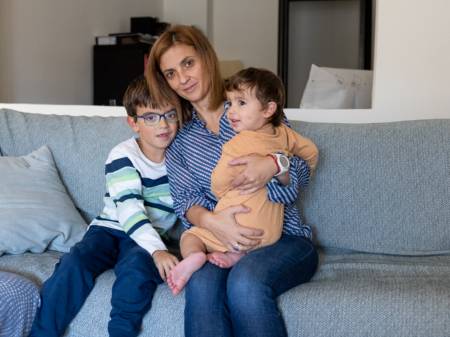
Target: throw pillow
{"type": "Point", "coordinates": [36, 212]}
{"type": "Point", "coordinates": [334, 88]}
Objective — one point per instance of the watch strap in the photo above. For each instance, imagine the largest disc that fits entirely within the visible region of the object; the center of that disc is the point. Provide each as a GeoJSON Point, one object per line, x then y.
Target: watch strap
{"type": "Point", "coordinates": [282, 168]}
{"type": "Point", "coordinates": [275, 159]}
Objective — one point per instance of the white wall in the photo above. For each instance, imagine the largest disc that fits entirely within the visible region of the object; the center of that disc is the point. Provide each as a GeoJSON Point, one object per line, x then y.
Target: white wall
{"type": "Point", "coordinates": [46, 45]}
{"type": "Point", "coordinates": [411, 61]}
{"type": "Point", "coordinates": [187, 12]}
{"type": "Point", "coordinates": [411, 52]}
{"type": "Point", "coordinates": [245, 30]}
{"type": "Point", "coordinates": [412, 56]}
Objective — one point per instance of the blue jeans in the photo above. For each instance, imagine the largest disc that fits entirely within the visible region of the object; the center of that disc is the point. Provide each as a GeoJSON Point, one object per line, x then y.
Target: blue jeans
{"type": "Point", "coordinates": [64, 293]}
{"type": "Point", "coordinates": [241, 301]}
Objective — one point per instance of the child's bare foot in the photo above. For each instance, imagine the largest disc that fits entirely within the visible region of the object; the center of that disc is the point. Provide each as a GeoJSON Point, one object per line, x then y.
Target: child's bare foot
{"type": "Point", "coordinates": [224, 260]}
{"type": "Point", "coordinates": [182, 272]}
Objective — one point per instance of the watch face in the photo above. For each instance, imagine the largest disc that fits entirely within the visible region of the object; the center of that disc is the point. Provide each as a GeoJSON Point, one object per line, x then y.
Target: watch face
{"type": "Point", "coordinates": [284, 161]}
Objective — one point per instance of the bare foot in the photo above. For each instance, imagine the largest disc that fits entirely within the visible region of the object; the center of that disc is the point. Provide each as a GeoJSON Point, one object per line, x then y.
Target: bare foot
{"type": "Point", "coordinates": [224, 260]}
{"type": "Point", "coordinates": [182, 272]}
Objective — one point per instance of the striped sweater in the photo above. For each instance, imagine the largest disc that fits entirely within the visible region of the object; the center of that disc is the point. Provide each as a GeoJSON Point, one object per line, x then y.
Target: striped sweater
{"type": "Point", "coordinates": [138, 199]}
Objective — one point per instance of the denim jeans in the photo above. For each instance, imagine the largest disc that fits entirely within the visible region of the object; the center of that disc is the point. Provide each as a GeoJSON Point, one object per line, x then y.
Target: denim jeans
{"type": "Point", "coordinates": [65, 291]}
{"type": "Point", "coordinates": [241, 301]}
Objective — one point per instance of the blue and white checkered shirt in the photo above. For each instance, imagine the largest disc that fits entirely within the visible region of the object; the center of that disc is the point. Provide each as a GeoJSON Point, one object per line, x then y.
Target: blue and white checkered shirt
{"type": "Point", "coordinates": [19, 301]}
{"type": "Point", "coordinates": [191, 159]}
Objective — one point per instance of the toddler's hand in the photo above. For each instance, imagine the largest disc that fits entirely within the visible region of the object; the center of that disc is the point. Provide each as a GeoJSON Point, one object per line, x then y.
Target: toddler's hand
{"type": "Point", "coordinates": [164, 261]}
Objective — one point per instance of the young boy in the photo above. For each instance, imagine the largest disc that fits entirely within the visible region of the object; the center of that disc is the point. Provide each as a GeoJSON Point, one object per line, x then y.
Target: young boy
{"type": "Point", "coordinates": [256, 100]}
{"type": "Point", "coordinates": [126, 235]}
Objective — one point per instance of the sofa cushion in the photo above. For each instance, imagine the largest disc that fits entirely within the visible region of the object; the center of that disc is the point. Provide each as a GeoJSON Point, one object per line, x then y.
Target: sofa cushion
{"type": "Point", "coordinates": [382, 188]}
{"type": "Point", "coordinates": [79, 146]}
{"type": "Point", "coordinates": [351, 295]}
{"type": "Point", "coordinates": [369, 295]}
{"type": "Point", "coordinates": [36, 212]}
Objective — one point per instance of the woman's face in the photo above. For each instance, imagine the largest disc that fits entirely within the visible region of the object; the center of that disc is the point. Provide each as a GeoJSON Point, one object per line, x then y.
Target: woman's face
{"type": "Point", "coordinates": [184, 72]}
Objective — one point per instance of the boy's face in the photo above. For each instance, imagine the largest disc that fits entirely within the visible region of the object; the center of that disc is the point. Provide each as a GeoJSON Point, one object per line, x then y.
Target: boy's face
{"type": "Point", "coordinates": [246, 112]}
{"type": "Point", "coordinates": [155, 131]}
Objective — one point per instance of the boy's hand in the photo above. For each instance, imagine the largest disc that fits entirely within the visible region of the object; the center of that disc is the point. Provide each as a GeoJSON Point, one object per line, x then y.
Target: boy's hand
{"type": "Point", "coordinates": [164, 261]}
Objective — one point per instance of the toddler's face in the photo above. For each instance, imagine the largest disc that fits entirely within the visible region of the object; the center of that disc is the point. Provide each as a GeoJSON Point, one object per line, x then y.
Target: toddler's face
{"type": "Point", "coordinates": [245, 111]}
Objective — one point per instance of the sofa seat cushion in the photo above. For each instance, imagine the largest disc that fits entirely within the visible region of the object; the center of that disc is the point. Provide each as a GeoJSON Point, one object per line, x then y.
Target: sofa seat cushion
{"type": "Point", "coordinates": [369, 295]}
{"type": "Point", "coordinates": [372, 295]}
{"type": "Point", "coordinates": [36, 267]}
{"type": "Point", "coordinates": [165, 319]}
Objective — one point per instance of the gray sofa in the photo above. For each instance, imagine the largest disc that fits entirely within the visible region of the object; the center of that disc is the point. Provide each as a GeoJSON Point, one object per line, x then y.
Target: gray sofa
{"type": "Point", "coordinates": [379, 205]}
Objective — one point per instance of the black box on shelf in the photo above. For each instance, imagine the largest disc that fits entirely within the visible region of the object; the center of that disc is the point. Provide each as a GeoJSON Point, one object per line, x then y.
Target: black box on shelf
{"type": "Point", "coordinates": [114, 67]}
{"type": "Point", "coordinates": [144, 25]}
{"type": "Point", "coordinates": [148, 25]}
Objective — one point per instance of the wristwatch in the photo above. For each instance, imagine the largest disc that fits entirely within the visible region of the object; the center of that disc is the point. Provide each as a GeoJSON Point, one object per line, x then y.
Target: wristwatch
{"type": "Point", "coordinates": [282, 162]}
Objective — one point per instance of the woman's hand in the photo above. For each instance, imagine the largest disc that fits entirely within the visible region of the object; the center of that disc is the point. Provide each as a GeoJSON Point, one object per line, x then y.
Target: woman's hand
{"type": "Point", "coordinates": [258, 172]}
{"type": "Point", "coordinates": [234, 236]}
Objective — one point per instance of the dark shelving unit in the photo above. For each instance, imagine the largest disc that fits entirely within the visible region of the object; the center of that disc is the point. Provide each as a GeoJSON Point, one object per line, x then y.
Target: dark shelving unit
{"type": "Point", "coordinates": [114, 67]}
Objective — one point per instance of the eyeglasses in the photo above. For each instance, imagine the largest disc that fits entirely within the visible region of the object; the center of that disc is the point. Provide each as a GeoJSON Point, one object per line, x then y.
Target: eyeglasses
{"type": "Point", "coordinates": [152, 118]}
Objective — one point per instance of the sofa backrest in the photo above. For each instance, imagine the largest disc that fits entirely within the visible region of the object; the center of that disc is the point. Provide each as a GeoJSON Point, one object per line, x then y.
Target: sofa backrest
{"type": "Point", "coordinates": [381, 188]}
{"type": "Point", "coordinates": [79, 146]}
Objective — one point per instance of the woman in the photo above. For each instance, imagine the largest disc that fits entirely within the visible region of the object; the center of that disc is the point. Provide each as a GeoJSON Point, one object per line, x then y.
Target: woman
{"type": "Point", "coordinates": [240, 301]}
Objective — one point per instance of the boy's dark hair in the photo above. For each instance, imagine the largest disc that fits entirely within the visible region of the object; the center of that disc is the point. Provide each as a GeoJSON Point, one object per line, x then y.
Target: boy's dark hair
{"type": "Point", "coordinates": [136, 95]}
{"type": "Point", "coordinates": [268, 88]}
